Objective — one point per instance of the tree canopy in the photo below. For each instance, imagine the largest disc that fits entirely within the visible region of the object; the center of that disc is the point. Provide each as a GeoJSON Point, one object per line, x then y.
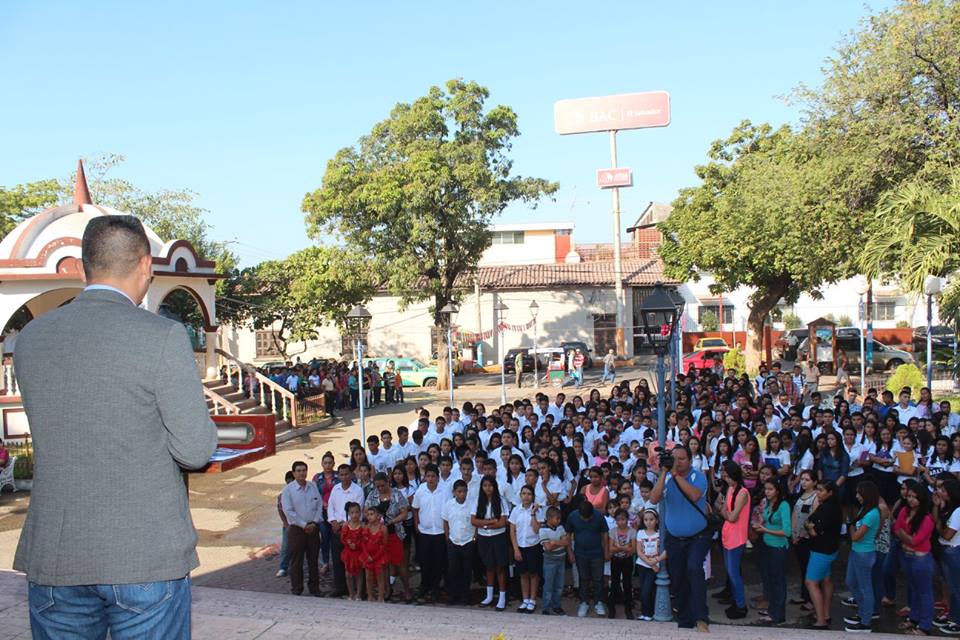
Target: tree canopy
{"type": "Point", "coordinates": [293, 296]}
{"type": "Point", "coordinates": [762, 217]}
{"type": "Point", "coordinates": [416, 195]}
{"type": "Point", "coordinates": [24, 200]}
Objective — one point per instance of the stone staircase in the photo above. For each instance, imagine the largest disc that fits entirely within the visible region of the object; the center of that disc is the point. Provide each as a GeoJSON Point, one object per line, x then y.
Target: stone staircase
{"type": "Point", "coordinates": [227, 397]}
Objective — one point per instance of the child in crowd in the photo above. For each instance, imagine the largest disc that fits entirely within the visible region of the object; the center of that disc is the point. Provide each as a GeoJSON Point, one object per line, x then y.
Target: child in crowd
{"type": "Point", "coordinates": [649, 558]}
{"type": "Point", "coordinates": [556, 550]}
{"type": "Point", "coordinates": [352, 536]}
{"type": "Point", "coordinates": [375, 554]}
{"type": "Point", "coordinates": [525, 536]}
{"type": "Point", "coordinates": [620, 554]}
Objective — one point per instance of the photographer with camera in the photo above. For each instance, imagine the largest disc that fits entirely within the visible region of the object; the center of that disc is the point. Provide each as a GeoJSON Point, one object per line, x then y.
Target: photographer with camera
{"type": "Point", "coordinates": [687, 533]}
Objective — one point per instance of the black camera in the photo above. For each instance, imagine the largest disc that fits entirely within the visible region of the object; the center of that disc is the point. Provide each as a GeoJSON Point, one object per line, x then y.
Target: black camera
{"type": "Point", "coordinates": [665, 458]}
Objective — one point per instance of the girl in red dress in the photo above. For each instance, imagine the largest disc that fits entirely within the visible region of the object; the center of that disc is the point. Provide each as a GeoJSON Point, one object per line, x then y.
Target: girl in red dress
{"type": "Point", "coordinates": [353, 535]}
{"type": "Point", "coordinates": [375, 554]}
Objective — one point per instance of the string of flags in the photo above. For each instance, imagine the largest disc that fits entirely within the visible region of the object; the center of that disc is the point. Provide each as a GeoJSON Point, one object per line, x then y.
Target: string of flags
{"type": "Point", "coordinates": [470, 336]}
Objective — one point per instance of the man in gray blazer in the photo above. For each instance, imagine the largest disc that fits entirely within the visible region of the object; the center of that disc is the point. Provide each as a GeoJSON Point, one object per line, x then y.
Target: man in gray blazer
{"type": "Point", "coordinates": [116, 410]}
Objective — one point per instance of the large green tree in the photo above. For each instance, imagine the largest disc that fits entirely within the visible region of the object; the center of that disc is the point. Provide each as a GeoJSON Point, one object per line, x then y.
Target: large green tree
{"type": "Point", "coordinates": [762, 217]}
{"type": "Point", "coordinates": [24, 200]}
{"type": "Point", "coordinates": [291, 297]}
{"type": "Point", "coordinates": [418, 193]}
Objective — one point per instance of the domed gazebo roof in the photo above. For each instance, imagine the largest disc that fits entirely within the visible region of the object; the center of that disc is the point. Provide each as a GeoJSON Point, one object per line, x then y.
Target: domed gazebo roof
{"type": "Point", "coordinates": [47, 245]}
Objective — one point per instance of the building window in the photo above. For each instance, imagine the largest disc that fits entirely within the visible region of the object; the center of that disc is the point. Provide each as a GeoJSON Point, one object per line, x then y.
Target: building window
{"type": "Point", "coordinates": [715, 309]}
{"type": "Point", "coordinates": [885, 310]}
{"type": "Point", "coordinates": [266, 348]}
{"type": "Point", "coordinates": [508, 237]}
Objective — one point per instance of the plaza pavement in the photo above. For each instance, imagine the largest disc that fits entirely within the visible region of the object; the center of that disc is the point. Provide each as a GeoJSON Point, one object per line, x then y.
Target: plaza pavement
{"type": "Point", "coordinates": [222, 613]}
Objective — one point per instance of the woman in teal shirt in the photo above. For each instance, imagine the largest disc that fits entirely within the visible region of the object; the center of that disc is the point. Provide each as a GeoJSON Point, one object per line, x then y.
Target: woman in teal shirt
{"type": "Point", "coordinates": [776, 531]}
{"type": "Point", "coordinates": [863, 555]}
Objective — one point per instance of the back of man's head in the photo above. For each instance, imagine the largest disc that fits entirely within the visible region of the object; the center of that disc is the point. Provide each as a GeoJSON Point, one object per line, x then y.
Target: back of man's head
{"type": "Point", "coordinates": [112, 246]}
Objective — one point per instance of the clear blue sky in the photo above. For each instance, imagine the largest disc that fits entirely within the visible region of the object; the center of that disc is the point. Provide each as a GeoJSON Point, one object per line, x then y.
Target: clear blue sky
{"type": "Point", "coordinates": [244, 102]}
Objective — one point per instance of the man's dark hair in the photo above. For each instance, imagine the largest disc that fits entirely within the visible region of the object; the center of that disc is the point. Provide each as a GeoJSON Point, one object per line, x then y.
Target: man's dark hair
{"type": "Point", "coordinates": [298, 463]}
{"type": "Point", "coordinates": [112, 245]}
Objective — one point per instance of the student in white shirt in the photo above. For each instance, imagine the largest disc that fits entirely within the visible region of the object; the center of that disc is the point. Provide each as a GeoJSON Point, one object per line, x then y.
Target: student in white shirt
{"type": "Point", "coordinates": [428, 504]}
{"type": "Point", "coordinates": [460, 535]}
{"type": "Point", "coordinates": [525, 537]}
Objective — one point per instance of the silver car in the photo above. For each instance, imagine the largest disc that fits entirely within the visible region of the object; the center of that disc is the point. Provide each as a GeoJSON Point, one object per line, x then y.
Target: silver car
{"type": "Point", "coordinates": [885, 358]}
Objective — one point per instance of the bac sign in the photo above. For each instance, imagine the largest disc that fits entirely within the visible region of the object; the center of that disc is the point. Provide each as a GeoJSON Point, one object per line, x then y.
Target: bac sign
{"type": "Point", "coordinates": [625, 111]}
{"type": "Point", "coordinates": [619, 177]}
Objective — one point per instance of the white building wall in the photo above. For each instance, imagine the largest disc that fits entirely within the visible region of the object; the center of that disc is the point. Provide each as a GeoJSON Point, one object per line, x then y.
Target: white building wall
{"type": "Point", "coordinates": [539, 247]}
{"type": "Point", "coordinates": [565, 314]}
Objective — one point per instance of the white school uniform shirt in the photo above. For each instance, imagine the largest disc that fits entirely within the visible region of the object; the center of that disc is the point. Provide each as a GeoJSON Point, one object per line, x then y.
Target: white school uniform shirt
{"type": "Point", "coordinates": [457, 516]}
{"type": "Point", "coordinates": [937, 465]}
{"type": "Point", "coordinates": [632, 433]}
{"type": "Point", "coordinates": [854, 452]}
{"type": "Point", "coordinates": [447, 483]}
{"type": "Point", "coordinates": [504, 511]}
{"type": "Point", "coordinates": [953, 522]}
{"type": "Point", "coordinates": [339, 497]}
{"type": "Point", "coordinates": [390, 456]}
{"type": "Point", "coordinates": [556, 412]}
{"type": "Point", "coordinates": [953, 425]}
{"type": "Point", "coordinates": [485, 436]}
{"type": "Point", "coordinates": [904, 414]}
{"type": "Point", "coordinates": [520, 518]}
{"type": "Point", "coordinates": [380, 461]}
{"type": "Point", "coordinates": [650, 543]}
{"type": "Point", "coordinates": [407, 449]}
{"type": "Point", "coordinates": [433, 437]}
{"type": "Point", "coordinates": [554, 485]}
{"type": "Point", "coordinates": [805, 463]}
{"type": "Point", "coordinates": [430, 506]}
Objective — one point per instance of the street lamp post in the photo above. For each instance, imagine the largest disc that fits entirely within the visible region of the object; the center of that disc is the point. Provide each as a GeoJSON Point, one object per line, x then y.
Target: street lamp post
{"type": "Point", "coordinates": [356, 319]}
{"type": "Point", "coordinates": [659, 314]}
{"type": "Point", "coordinates": [534, 310]}
{"type": "Point", "coordinates": [448, 310]}
{"type": "Point", "coordinates": [500, 308]}
{"type": "Point", "coordinates": [932, 286]}
{"type": "Point", "coordinates": [675, 361]}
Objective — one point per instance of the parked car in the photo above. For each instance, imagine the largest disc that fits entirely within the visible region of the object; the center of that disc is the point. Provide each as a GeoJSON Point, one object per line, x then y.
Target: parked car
{"type": "Point", "coordinates": [885, 358]}
{"type": "Point", "coordinates": [510, 359]}
{"type": "Point", "coordinates": [576, 344]}
{"type": "Point", "coordinates": [942, 337]}
{"type": "Point", "coordinates": [413, 372]}
{"type": "Point", "coordinates": [702, 359]}
{"type": "Point", "coordinates": [710, 343]}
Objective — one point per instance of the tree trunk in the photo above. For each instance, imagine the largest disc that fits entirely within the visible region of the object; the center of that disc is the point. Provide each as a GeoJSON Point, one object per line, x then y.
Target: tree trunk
{"type": "Point", "coordinates": [443, 362]}
{"type": "Point", "coordinates": [762, 304]}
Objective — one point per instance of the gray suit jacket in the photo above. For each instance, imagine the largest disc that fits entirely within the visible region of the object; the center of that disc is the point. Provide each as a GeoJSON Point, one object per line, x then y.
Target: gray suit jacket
{"type": "Point", "coordinates": [115, 407]}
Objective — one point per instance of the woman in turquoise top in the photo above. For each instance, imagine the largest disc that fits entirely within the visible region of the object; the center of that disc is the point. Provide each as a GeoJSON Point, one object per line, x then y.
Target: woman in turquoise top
{"type": "Point", "coordinates": [863, 555]}
{"type": "Point", "coordinates": [776, 530]}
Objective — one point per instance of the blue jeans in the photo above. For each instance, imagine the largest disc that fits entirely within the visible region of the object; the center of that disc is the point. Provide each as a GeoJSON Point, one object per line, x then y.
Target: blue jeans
{"type": "Point", "coordinates": [145, 611]}
{"type": "Point", "coordinates": [919, 570]}
{"type": "Point", "coordinates": [774, 566]}
{"type": "Point", "coordinates": [325, 533]}
{"type": "Point", "coordinates": [608, 373]}
{"type": "Point", "coordinates": [877, 577]}
{"type": "Point", "coordinates": [860, 582]}
{"type": "Point", "coordinates": [891, 566]}
{"type": "Point", "coordinates": [685, 558]}
{"type": "Point", "coordinates": [578, 376]}
{"type": "Point", "coordinates": [284, 551]}
{"type": "Point", "coordinates": [553, 574]}
{"type": "Point", "coordinates": [951, 573]}
{"type": "Point", "coordinates": [731, 560]}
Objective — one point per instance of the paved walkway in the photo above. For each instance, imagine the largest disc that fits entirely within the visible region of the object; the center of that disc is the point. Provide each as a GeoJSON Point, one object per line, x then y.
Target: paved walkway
{"type": "Point", "coordinates": [221, 613]}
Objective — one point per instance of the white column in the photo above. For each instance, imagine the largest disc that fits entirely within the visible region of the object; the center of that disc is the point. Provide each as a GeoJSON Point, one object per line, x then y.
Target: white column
{"type": "Point", "coordinates": [212, 337]}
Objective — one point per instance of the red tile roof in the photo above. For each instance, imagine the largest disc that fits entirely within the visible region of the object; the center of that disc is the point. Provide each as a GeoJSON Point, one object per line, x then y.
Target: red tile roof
{"type": "Point", "coordinates": [636, 272]}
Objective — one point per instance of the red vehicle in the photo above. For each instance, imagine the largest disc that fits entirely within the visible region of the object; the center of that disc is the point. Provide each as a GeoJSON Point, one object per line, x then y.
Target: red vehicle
{"type": "Point", "coordinates": [703, 359]}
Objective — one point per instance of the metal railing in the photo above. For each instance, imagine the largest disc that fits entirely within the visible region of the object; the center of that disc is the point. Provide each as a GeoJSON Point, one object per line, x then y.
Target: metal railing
{"type": "Point", "coordinates": [10, 387]}
{"type": "Point", "coordinates": [270, 395]}
{"type": "Point", "coordinates": [221, 406]}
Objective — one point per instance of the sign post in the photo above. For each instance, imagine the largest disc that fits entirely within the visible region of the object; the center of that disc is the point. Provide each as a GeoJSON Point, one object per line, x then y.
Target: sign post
{"type": "Point", "coordinates": [611, 114]}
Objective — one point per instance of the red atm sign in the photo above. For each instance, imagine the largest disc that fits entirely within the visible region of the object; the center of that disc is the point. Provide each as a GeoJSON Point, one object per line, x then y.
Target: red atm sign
{"type": "Point", "coordinates": [608, 113]}
{"type": "Point", "coordinates": [619, 177]}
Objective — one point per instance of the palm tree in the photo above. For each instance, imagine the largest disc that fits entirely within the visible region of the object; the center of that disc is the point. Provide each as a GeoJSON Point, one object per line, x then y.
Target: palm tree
{"type": "Point", "coordinates": [915, 234]}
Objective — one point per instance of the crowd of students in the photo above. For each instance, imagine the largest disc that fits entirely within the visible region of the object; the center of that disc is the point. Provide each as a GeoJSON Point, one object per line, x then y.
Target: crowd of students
{"type": "Point", "coordinates": [536, 491]}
